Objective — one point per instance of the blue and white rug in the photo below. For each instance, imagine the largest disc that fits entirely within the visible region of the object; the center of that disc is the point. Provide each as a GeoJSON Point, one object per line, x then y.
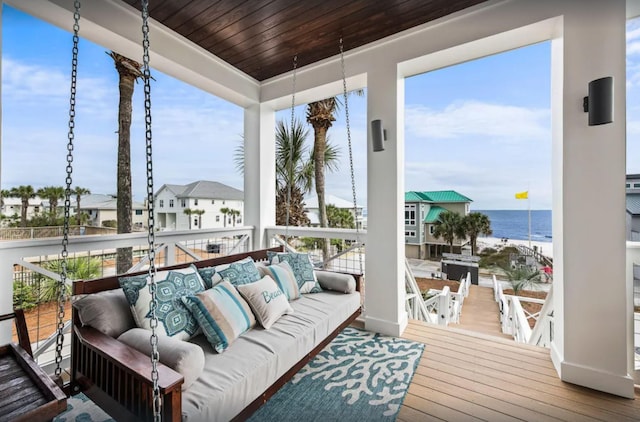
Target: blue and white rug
{"type": "Point", "coordinates": [81, 409]}
{"type": "Point", "coordinates": [359, 376]}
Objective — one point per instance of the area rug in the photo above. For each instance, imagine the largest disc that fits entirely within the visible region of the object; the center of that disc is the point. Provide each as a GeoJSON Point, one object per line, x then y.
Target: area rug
{"type": "Point", "coordinates": [359, 376]}
{"type": "Point", "coordinates": [80, 408]}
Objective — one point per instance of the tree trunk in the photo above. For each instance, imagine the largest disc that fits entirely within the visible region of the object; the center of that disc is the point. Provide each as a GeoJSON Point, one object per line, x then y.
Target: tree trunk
{"type": "Point", "coordinates": [23, 213]}
{"type": "Point", "coordinates": [319, 147]}
{"type": "Point", "coordinates": [125, 257]}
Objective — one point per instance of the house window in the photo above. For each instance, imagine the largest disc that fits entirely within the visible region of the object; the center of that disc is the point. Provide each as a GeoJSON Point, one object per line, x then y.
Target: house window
{"type": "Point", "coordinates": [217, 218]}
{"type": "Point", "coordinates": [213, 202]}
{"type": "Point", "coordinates": [239, 220]}
{"type": "Point", "coordinates": [410, 233]}
{"type": "Point", "coordinates": [36, 209]}
{"type": "Point", "coordinates": [432, 228]}
{"type": "Point", "coordinates": [636, 185]}
{"type": "Point", "coordinates": [183, 203]}
{"type": "Point", "coordinates": [628, 185]}
{"type": "Point", "coordinates": [223, 202]}
{"type": "Point", "coordinates": [162, 203]}
{"type": "Point", "coordinates": [195, 202]}
{"type": "Point", "coordinates": [410, 215]}
{"type": "Point", "coordinates": [138, 212]}
{"type": "Point", "coordinates": [170, 203]}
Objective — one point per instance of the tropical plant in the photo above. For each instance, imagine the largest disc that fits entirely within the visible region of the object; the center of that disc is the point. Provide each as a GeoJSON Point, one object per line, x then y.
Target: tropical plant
{"type": "Point", "coordinates": [234, 215]}
{"type": "Point", "coordinates": [188, 212]}
{"type": "Point", "coordinates": [78, 192]}
{"type": "Point", "coordinates": [128, 72]}
{"type": "Point", "coordinates": [224, 212]}
{"type": "Point", "coordinates": [53, 194]}
{"type": "Point", "coordinates": [475, 224]}
{"type": "Point", "coordinates": [83, 268]}
{"type": "Point", "coordinates": [24, 192]}
{"type": "Point", "coordinates": [25, 295]}
{"type": "Point", "coordinates": [449, 227]}
{"type": "Point", "coordinates": [522, 278]}
{"type": "Point", "coordinates": [199, 214]}
{"type": "Point", "coordinates": [340, 217]}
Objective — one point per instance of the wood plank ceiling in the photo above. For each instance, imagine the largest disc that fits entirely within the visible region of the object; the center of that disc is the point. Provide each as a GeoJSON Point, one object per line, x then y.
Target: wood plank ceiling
{"type": "Point", "coordinates": [261, 37]}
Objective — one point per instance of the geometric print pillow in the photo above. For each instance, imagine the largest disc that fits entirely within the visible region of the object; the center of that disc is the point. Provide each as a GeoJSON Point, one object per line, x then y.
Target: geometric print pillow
{"type": "Point", "coordinates": [174, 319]}
{"type": "Point", "coordinates": [240, 272]}
{"type": "Point", "coordinates": [302, 268]}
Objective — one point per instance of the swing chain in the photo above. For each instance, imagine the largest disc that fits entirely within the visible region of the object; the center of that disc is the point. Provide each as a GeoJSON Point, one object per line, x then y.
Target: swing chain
{"type": "Point", "coordinates": [62, 285]}
{"type": "Point", "coordinates": [353, 179]}
{"type": "Point", "coordinates": [153, 304]}
{"type": "Point", "coordinates": [290, 173]}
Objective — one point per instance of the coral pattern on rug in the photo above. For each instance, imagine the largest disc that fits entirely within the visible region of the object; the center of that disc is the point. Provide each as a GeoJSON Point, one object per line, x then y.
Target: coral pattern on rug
{"type": "Point", "coordinates": [358, 376]}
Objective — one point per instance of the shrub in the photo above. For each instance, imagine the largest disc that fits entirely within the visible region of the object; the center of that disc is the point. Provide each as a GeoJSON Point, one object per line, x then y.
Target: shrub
{"type": "Point", "coordinates": [24, 295]}
{"type": "Point", "coordinates": [110, 223]}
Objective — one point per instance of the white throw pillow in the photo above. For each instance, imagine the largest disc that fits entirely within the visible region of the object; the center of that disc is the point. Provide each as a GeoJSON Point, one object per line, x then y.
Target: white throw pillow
{"type": "Point", "coordinates": [266, 300]}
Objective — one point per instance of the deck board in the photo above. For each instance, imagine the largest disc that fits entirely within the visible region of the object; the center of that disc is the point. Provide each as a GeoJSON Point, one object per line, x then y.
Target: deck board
{"type": "Point", "coordinates": [474, 376]}
{"type": "Point", "coordinates": [480, 312]}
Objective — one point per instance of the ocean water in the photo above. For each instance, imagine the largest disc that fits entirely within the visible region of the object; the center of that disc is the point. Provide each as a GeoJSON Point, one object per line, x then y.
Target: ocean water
{"type": "Point", "coordinates": [514, 224]}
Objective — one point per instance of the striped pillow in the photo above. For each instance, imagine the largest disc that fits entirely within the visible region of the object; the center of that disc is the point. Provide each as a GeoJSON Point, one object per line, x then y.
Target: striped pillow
{"type": "Point", "coordinates": [222, 314]}
{"type": "Point", "coordinates": [284, 277]}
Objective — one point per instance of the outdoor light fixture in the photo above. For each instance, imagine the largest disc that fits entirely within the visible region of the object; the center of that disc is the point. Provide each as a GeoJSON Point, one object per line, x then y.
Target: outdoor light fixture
{"type": "Point", "coordinates": [599, 103]}
{"type": "Point", "coordinates": [378, 135]}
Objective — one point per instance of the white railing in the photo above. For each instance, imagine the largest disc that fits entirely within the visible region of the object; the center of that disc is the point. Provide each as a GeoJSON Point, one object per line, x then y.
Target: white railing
{"type": "Point", "coordinates": [515, 319]}
{"type": "Point", "coordinates": [30, 257]}
{"type": "Point", "coordinates": [439, 307]}
{"type": "Point", "coordinates": [348, 257]}
{"type": "Point", "coordinates": [633, 290]}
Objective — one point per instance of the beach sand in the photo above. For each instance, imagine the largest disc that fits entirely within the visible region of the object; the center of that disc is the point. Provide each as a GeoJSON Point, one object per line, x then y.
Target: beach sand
{"type": "Point", "coordinates": [545, 248]}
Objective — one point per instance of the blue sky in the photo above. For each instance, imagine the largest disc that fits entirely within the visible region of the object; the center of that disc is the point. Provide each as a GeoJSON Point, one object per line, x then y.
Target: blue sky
{"type": "Point", "coordinates": [481, 127]}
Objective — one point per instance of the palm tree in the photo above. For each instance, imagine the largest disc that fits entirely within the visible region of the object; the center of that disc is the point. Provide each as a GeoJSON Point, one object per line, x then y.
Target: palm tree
{"type": "Point", "coordinates": [234, 214]}
{"type": "Point", "coordinates": [225, 211]}
{"type": "Point", "coordinates": [24, 193]}
{"type": "Point", "coordinates": [53, 194]}
{"type": "Point", "coordinates": [449, 227]}
{"type": "Point", "coordinates": [78, 192]}
{"type": "Point", "coordinates": [321, 115]}
{"type": "Point", "coordinates": [188, 212]}
{"type": "Point", "coordinates": [128, 72]}
{"type": "Point", "coordinates": [475, 224]}
{"type": "Point", "coordinates": [199, 214]}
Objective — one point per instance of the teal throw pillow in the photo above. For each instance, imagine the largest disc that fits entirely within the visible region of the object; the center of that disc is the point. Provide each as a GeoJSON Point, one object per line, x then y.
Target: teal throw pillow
{"type": "Point", "coordinates": [174, 319]}
{"type": "Point", "coordinates": [206, 273]}
{"type": "Point", "coordinates": [241, 272]}
{"type": "Point", "coordinates": [284, 278]}
{"type": "Point", "coordinates": [302, 268]}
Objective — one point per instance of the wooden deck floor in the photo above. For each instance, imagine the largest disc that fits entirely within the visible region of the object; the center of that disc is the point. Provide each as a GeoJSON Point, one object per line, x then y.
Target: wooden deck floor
{"type": "Point", "coordinates": [465, 376]}
{"type": "Point", "coordinates": [480, 312]}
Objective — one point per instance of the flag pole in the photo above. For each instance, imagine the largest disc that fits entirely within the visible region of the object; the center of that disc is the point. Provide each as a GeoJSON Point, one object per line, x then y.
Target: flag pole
{"type": "Point", "coordinates": [529, 204]}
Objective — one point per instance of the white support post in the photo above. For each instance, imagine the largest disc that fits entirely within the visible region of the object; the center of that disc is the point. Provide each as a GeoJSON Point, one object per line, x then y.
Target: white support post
{"type": "Point", "coordinates": [385, 296]}
{"type": "Point", "coordinates": [259, 170]}
{"type": "Point", "coordinates": [6, 271]}
{"type": "Point", "coordinates": [592, 318]}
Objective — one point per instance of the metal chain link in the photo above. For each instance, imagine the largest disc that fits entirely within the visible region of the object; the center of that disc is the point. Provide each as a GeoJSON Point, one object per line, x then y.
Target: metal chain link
{"type": "Point", "coordinates": [62, 285]}
{"type": "Point", "coordinates": [293, 104]}
{"type": "Point", "coordinates": [153, 304]}
{"type": "Point", "coordinates": [353, 179]}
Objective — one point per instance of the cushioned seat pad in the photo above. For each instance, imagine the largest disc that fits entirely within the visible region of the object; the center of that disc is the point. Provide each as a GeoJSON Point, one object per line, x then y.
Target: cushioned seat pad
{"type": "Point", "coordinates": [235, 378]}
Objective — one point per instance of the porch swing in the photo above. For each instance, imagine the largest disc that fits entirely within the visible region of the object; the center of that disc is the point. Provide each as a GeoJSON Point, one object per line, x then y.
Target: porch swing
{"type": "Point", "coordinates": [113, 374]}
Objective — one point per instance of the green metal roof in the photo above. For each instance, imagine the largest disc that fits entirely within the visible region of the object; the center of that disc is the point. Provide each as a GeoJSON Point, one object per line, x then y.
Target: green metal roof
{"type": "Point", "coordinates": [433, 214]}
{"type": "Point", "coordinates": [435, 196]}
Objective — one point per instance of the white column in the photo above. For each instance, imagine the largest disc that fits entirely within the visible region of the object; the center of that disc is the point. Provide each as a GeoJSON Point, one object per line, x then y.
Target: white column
{"type": "Point", "coordinates": [591, 318]}
{"type": "Point", "coordinates": [6, 270]}
{"type": "Point", "coordinates": [259, 170]}
{"type": "Point", "coordinates": [385, 291]}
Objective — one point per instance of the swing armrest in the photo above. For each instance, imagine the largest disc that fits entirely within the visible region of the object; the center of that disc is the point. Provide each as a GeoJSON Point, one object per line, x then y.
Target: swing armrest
{"type": "Point", "coordinates": [121, 355]}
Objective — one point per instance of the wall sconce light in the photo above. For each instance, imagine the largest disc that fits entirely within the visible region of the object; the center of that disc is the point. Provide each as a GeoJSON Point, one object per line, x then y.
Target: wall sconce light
{"type": "Point", "coordinates": [378, 135]}
{"type": "Point", "coordinates": [599, 103]}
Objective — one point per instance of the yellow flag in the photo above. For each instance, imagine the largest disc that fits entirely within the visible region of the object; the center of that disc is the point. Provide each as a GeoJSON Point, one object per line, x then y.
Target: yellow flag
{"type": "Point", "coordinates": [522, 195]}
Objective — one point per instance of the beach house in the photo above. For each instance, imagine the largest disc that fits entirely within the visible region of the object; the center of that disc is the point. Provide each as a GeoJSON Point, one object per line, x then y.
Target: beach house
{"type": "Point", "coordinates": [313, 213]}
{"type": "Point", "coordinates": [104, 208]}
{"type": "Point", "coordinates": [243, 53]}
{"type": "Point", "coordinates": [421, 213]}
{"type": "Point", "coordinates": [199, 205]}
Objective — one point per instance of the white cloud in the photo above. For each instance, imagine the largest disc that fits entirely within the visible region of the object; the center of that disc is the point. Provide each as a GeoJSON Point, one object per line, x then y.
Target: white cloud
{"type": "Point", "coordinates": [475, 118]}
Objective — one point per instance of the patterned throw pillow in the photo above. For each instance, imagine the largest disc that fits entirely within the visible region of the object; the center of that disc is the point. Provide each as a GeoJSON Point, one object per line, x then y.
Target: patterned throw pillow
{"type": "Point", "coordinates": [207, 274]}
{"type": "Point", "coordinates": [284, 278]}
{"type": "Point", "coordinates": [222, 314]}
{"type": "Point", "coordinates": [267, 301]}
{"type": "Point", "coordinates": [302, 269]}
{"type": "Point", "coordinates": [241, 272]}
{"type": "Point", "coordinates": [174, 319]}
